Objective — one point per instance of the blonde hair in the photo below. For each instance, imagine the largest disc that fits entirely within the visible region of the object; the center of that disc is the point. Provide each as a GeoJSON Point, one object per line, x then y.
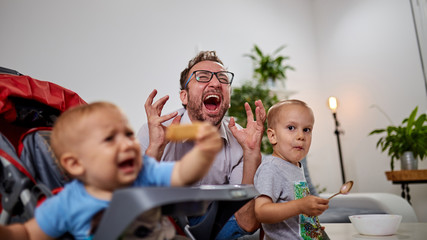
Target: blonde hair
{"type": "Point", "coordinates": [272, 114]}
{"type": "Point", "coordinates": [65, 128]}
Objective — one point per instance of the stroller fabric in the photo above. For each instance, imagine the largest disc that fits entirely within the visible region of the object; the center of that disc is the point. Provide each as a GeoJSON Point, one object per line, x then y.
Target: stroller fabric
{"type": "Point", "coordinates": [36, 145]}
{"type": "Point", "coordinates": [26, 102]}
{"type": "Point", "coordinates": [28, 169]}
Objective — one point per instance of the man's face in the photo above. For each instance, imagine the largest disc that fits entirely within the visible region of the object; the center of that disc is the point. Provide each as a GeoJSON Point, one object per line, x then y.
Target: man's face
{"type": "Point", "coordinates": [206, 101]}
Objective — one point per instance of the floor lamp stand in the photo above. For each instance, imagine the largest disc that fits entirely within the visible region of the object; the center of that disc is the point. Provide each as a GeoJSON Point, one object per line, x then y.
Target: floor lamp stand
{"type": "Point", "coordinates": [337, 132]}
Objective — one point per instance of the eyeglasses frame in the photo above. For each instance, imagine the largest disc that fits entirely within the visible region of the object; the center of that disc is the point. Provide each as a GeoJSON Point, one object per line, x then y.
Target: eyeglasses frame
{"type": "Point", "coordinates": [212, 74]}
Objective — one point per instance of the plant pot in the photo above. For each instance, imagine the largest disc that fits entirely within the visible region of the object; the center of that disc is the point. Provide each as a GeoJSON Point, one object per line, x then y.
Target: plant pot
{"type": "Point", "coordinates": [408, 162]}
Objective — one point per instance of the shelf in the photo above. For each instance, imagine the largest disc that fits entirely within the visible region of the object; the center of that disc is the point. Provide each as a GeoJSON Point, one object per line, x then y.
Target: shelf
{"type": "Point", "coordinates": [407, 176]}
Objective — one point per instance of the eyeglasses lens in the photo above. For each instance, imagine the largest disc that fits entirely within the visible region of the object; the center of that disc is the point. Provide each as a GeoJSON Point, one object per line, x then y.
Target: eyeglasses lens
{"type": "Point", "coordinates": [206, 76]}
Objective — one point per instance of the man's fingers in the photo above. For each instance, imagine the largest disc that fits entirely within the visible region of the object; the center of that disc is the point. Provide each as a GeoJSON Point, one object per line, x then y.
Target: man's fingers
{"type": "Point", "coordinates": [232, 123]}
{"type": "Point", "coordinates": [176, 120]}
{"type": "Point", "coordinates": [150, 98]}
{"type": "Point", "coordinates": [260, 111]}
{"type": "Point", "coordinates": [259, 104]}
{"type": "Point", "coordinates": [168, 117]}
{"type": "Point", "coordinates": [158, 105]}
{"type": "Point", "coordinates": [249, 114]}
{"type": "Point", "coordinates": [232, 126]}
{"type": "Point", "coordinates": [260, 119]}
{"type": "Point", "coordinates": [155, 109]}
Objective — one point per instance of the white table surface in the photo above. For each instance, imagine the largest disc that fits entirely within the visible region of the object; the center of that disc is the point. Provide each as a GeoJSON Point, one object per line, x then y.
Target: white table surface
{"type": "Point", "coordinates": [344, 231]}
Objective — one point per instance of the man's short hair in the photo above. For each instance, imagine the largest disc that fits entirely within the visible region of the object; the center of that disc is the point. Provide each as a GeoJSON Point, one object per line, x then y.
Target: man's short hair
{"type": "Point", "coordinates": [201, 56]}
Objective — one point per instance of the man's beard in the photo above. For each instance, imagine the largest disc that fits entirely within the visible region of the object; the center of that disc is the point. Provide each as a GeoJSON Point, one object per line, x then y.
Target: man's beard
{"type": "Point", "coordinates": [195, 111]}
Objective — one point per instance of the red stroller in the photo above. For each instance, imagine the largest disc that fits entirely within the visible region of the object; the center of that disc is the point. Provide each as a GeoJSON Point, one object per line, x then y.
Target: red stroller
{"type": "Point", "coordinates": [28, 109]}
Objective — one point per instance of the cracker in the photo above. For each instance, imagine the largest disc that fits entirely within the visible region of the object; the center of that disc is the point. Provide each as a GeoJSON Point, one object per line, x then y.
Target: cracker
{"type": "Point", "coordinates": [181, 132]}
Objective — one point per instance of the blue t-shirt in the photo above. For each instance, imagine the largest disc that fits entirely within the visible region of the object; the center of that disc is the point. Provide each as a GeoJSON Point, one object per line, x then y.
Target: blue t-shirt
{"type": "Point", "coordinates": [73, 208]}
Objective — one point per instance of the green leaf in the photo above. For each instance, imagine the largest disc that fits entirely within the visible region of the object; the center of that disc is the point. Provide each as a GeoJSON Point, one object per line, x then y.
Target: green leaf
{"type": "Point", "coordinates": [376, 131]}
{"type": "Point", "coordinates": [258, 51]}
{"type": "Point", "coordinates": [279, 49]}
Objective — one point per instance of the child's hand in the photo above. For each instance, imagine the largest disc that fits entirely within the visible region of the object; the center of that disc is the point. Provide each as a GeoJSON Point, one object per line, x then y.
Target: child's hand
{"type": "Point", "coordinates": [208, 140]}
{"type": "Point", "coordinates": [314, 206]}
{"type": "Point", "coordinates": [196, 163]}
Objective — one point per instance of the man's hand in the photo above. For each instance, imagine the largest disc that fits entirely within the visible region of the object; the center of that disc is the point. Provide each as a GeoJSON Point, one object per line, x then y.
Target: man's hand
{"type": "Point", "coordinates": [250, 139]}
{"type": "Point", "coordinates": [251, 136]}
{"type": "Point", "coordinates": [155, 128]}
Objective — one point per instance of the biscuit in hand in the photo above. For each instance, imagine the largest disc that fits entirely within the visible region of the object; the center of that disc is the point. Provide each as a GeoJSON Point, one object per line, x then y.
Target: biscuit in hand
{"type": "Point", "coordinates": [181, 132]}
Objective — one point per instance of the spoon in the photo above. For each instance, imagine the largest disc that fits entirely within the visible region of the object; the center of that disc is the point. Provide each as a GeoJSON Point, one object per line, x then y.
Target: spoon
{"type": "Point", "coordinates": [345, 188]}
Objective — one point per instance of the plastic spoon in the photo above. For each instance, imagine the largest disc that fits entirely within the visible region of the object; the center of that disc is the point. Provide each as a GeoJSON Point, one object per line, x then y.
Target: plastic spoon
{"type": "Point", "coordinates": [345, 188]}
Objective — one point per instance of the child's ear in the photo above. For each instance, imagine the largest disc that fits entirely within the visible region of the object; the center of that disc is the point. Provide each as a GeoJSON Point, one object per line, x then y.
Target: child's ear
{"type": "Point", "coordinates": [183, 97]}
{"type": "Point", "coordinates": [71, 164]}
{"type": "Point", "coordinates": [271, 134]}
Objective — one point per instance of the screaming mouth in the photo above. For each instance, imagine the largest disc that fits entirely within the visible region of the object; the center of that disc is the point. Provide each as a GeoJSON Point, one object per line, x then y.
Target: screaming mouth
{"type": "Point", "coordinates": [212, 101]}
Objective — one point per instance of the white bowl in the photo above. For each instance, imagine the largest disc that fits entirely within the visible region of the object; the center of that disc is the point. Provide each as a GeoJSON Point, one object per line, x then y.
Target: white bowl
{"type": "Point", "coordinates": [376, 224]}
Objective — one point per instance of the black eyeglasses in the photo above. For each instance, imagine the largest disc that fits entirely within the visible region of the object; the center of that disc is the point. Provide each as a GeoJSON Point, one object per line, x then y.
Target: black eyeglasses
{"type": "Point", "coordinates": [205, 76]}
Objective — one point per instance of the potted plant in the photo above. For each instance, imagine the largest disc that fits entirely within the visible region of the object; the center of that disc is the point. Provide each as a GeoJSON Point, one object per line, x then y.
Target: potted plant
{"type": "Point", "coordinates": [409, 136]}
{"type": "Point", "coordinates": [265, 67]}
{"type": "Point", "coordinates": [268, 69]}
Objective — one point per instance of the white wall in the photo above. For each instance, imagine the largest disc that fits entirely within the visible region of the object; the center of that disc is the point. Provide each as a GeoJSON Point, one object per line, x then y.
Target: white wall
{"type": "Point", "coordinates": [362, 51]}
{"type": "Point", "coordinates": [368, 55]}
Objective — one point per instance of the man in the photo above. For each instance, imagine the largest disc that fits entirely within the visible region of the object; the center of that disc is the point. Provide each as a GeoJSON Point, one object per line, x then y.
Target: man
{"type": "Point", "coordinates": [205, 95]}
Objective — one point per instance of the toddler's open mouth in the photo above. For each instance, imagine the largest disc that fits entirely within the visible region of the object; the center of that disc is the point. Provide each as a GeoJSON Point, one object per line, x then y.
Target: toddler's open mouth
{"type": "Point", "coordinates": [127, 165]}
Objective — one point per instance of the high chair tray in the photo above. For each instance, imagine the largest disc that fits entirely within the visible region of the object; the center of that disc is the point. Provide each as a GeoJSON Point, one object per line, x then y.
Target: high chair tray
{"type": "Point", "coordinates": [127, 204]}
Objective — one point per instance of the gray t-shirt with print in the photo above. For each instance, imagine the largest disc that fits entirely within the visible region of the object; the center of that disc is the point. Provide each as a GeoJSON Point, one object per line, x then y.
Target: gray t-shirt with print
{"type": "Point", "coordinates": [283, 181]}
